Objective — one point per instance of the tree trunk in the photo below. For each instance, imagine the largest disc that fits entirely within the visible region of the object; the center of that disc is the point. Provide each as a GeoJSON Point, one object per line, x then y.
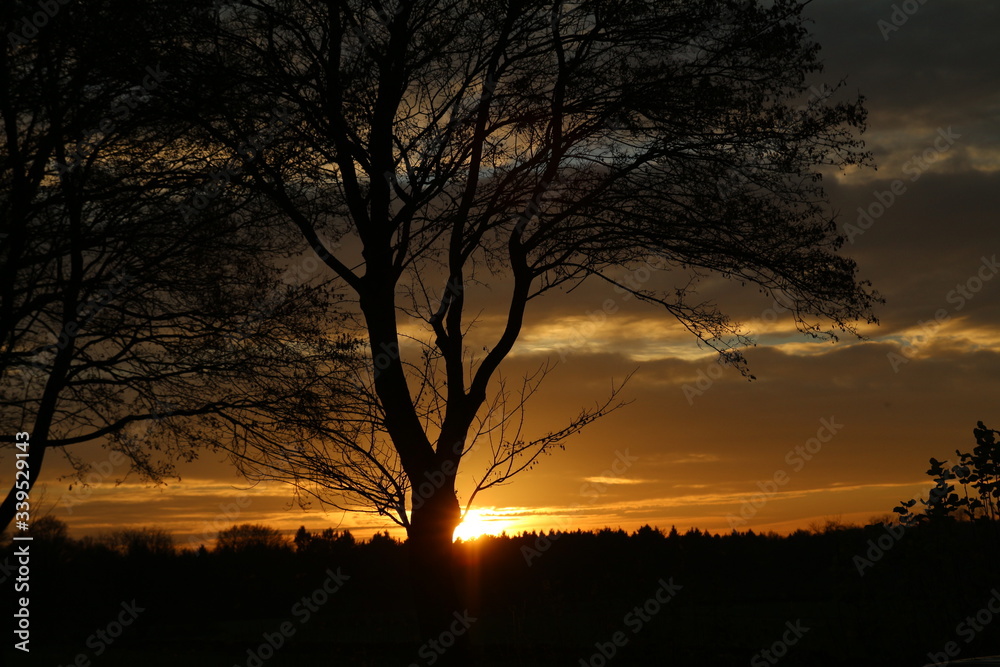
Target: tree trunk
{"type": "Point", "coordinates": [435, 578]}
{"type": "Point", "coordinates": [36, 452]}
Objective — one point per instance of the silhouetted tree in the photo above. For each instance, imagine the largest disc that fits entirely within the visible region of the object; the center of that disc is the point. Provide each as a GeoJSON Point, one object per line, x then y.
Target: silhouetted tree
{"type": "Point", "coordinates": [122, 307]}
{"type": "Point", "coordinates": [51, 534]}
{"type": "Point", "coordinates": [978, 470]}
{"type": "Point", "coordinates": [302, 539]}
{"type": "Point", "coordinates": [326, 543]}
{"type": "Point", "coordinates": [49, 529]}
{"type": "Point", "coordinates": [139, 542]}
{"type": "Point", "coordinates": [534, 145]}
{"type": "Point", "coordinates": [250, 538]}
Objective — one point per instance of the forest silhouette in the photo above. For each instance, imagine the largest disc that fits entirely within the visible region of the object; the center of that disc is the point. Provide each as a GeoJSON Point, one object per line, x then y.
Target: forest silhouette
{"type": "Point", "coordinates": [550, 598]}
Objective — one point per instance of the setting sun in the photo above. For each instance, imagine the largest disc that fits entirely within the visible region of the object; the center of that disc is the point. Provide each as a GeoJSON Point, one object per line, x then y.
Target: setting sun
{"type": "Point", "coordinates": [478, 522]}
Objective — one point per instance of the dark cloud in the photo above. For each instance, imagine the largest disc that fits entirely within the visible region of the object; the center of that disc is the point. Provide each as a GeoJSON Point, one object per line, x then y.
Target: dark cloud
{"type": "Point", "coordinates": [928, 243]}
{"type": "Point", "coordinates": [938, 67]}
{"type": "Point", "coordinates": [937, 70]}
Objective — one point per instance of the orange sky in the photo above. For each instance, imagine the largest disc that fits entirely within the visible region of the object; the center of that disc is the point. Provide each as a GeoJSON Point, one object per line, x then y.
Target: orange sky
{"type": "Point", "coordinates": [699, 445]}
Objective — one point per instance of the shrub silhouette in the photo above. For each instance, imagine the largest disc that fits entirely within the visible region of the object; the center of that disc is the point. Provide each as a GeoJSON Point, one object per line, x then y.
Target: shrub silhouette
{"type": "Point", "coordinates": [978, 470]}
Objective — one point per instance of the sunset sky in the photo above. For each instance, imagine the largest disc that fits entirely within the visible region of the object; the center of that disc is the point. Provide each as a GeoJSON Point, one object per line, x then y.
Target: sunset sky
{"type": "Point", "coordinates": [699, 441]}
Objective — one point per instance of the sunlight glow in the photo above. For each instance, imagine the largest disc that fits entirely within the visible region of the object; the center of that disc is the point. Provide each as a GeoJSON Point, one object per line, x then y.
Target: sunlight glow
{"type": "Point", "coordinates": [480, 522]}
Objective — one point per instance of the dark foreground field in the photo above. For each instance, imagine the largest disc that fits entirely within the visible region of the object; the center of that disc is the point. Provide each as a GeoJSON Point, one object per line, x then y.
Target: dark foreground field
{"type": "Point", "coordinates": [641, 599]}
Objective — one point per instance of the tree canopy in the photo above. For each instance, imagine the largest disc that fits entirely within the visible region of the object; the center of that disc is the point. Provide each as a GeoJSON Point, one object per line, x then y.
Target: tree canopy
{"type": "Point", "coordinates": [427, 148]}
{"type": "Point", "coordinates": [123, 308]}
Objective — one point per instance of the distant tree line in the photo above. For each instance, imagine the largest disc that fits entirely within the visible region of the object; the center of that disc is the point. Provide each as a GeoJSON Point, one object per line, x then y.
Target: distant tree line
{"type": "Point", "coordinates": [540, 595]}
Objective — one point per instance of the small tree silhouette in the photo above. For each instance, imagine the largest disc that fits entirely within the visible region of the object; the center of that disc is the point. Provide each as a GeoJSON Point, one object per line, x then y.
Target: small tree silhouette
{"type": "Point", "coordinates": [978, 470]}
{"type": "Point", "coordinates": [324, 542]}
{"type": "Point", "coordinates": [250, 537]}
{"type": "Point", "coordinates": [50, 529]}
{"type": "Point", "coordinates": [139, 542]}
